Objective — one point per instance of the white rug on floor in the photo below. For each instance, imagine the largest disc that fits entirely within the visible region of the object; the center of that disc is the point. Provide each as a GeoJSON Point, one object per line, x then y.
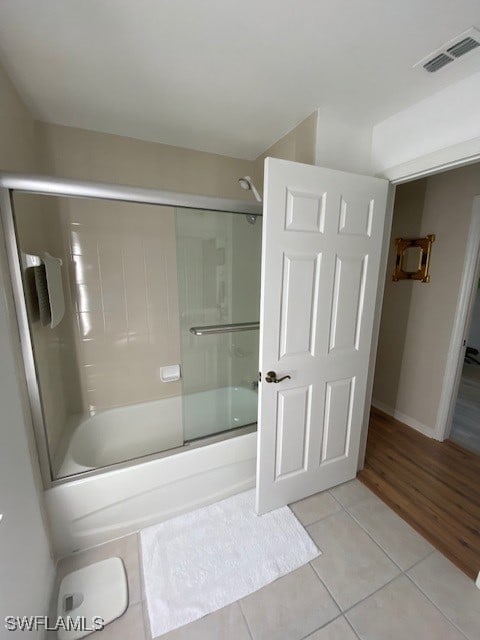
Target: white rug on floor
{"type": "Point", "coordinates": [208, 558]}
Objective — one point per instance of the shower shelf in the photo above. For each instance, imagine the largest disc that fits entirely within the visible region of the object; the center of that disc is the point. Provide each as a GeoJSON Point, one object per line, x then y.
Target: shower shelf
{"type": "Point", "coordinates": [224, 328]}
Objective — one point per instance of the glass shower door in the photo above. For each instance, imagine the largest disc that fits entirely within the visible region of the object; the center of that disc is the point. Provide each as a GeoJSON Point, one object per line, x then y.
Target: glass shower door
{"type": "Point", "coordinates": [218, 262]}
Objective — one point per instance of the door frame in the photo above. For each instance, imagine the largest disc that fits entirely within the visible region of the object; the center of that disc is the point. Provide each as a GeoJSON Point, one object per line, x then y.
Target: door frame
{"type": "Point", "coordinates": [447, 159]}
{"type": "Point", "coordinates": [387, 232]}
{"type": "Point", "coordinates": [461, 327]}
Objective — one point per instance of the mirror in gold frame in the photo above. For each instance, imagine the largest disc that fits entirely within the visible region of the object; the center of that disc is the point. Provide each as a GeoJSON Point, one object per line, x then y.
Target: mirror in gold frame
{"type": "Point", "coordinates": [412, 261]}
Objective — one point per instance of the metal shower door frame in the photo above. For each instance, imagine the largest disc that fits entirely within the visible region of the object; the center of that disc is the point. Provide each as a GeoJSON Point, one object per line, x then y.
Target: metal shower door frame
{"type": "Point", "coordinates": [10, 261]}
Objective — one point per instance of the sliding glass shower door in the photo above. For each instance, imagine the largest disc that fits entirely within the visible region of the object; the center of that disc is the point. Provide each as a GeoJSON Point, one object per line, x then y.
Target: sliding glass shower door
{"type": "Point", "coordinates": [130, 310]}
{"type": "Point", "coordinates": [218, 262]}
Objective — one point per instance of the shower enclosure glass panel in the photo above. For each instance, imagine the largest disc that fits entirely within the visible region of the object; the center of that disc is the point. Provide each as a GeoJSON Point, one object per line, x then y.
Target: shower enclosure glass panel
{"type": "Point", "coordinates": [133, 280]}
{"type": "Point", "coordinates": [218, 258]}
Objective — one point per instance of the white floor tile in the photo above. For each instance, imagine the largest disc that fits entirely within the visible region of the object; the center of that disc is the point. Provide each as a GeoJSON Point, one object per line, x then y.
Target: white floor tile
{"type": "Point", "coordinates": [315, 507]}
{"type": "Point", "coordinates": [451, 590]}
{"type": "Point", "coordinates": [290, 608]}
{"type": "Point", "coordinates": [350, 493]}
{"type": "Point", "coordinates": [339, 629]}
{"type": "Point", "coordinates": [220, 625]}
{"type": "Point", "coordinates": [351, 565]}
{"type": "Point", "coordinates": [400, 611]}
{"type": "Point", "coordinates": [402, 543]}
{"type": "Point", "coordinates": [127, 627]}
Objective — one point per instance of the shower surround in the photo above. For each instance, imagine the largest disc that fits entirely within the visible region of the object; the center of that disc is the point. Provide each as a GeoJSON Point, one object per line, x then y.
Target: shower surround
{"type": "Point", "coordinates": [120, 447]}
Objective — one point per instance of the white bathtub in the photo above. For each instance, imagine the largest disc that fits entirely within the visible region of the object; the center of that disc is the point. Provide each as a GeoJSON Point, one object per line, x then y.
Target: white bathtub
{"type": "Point", "coordinates": [92, 509]}
{"type": "Point", "coordinates": [121, 434]}
{"type": "Point", "coordinates": [130, 432]}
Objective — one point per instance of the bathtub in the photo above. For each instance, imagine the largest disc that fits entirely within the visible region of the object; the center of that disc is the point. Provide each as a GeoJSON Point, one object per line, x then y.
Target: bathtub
{"type": "Point", "coordinates": [130, 432]}
{"type": "Point", "coordinates": [94, 508]}
{"type": "Point", "coordinates": [121, 434]}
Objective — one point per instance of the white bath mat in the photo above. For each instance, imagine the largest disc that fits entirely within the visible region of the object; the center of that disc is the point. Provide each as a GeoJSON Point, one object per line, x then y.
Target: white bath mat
{"type": "Point", "coordinates": [208, 558]}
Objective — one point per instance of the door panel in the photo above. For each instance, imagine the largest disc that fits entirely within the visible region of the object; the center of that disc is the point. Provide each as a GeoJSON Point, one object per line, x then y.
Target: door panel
{"type": "Point", "coordinates": [298, 321]}
{"type": "Point", "coordinates": [338, 418]}
{"type": "Point", "coordinates": [292, 422]}
{"type": "Point", "coordinates": [348, 300]}
{"type": "Point", "coordinates": [322, 242]}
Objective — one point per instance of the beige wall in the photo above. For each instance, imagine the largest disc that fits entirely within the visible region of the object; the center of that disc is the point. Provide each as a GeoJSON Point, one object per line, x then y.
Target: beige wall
{"type": "Point", "coordinates": [88, 155]}
{"type": "Point", "coordinates": [26, 578]}
{"type": "Point", "coordinates": [418, 381]}
{"type": "Point", "coordinates": [343, 144]}
{"type": "Point", "coordinates": [406, 223]}
{"type": "Point", "coordinates": [297, 145]}
{"type": "Point", "coordinates": [17, 130]}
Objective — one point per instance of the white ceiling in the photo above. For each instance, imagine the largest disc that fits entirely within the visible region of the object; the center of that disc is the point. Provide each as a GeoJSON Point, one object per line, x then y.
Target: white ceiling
{"type": "Point", "coordinates": [226, 76]}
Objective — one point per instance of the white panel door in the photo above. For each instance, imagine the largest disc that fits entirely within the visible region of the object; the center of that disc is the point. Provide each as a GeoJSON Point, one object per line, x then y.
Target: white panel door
{"type": "Point", "coordinates": [322, 242]}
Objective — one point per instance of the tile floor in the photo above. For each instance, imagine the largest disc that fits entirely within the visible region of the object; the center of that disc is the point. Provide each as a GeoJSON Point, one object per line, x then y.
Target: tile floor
{"type": "Point", "coordinates": [376, 579]}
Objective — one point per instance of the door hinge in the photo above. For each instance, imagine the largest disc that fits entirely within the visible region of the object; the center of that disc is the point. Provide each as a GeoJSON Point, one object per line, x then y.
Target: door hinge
{"type": "Point", "coordinates": [259, 376]}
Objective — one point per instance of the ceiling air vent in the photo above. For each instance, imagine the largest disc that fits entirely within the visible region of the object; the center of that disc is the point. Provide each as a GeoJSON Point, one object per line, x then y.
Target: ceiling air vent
{"type": "Point", "coordinates": [451, 51]}
{"type": "Point", "coordinates": [437, 63]}
{"type": "Point", "coordinates": [462, 47]}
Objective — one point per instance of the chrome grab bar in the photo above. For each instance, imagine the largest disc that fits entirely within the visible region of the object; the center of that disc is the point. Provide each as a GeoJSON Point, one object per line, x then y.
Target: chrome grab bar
{"type": "Point", "coordinates": [224, 328]}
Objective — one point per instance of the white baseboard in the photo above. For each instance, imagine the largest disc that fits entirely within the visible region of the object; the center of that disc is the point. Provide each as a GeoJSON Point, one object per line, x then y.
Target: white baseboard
{"type": "Point", "coordinates": [402, 417]}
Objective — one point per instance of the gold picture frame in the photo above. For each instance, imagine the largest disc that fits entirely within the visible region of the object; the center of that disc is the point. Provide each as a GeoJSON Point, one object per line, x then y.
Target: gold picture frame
{"type": "Point", "coordinates": [412, 261]}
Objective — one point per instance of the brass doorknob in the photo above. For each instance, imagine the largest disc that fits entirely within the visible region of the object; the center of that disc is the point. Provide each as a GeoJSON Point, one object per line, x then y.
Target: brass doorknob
{"type": "Point", "coordinates": [272, 377]}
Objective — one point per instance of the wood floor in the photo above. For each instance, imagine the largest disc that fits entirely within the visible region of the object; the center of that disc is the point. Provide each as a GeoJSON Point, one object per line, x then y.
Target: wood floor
{"type": "Point", "coordinates": [434, 486]}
